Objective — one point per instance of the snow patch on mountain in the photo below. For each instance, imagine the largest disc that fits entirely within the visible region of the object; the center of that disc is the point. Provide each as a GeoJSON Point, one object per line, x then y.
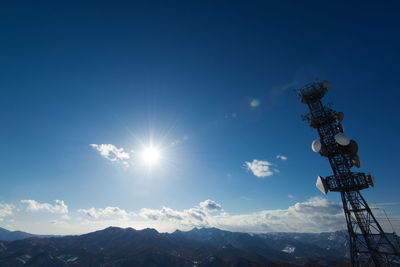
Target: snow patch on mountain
{"type": "Point", "coordinates": [289, 249]}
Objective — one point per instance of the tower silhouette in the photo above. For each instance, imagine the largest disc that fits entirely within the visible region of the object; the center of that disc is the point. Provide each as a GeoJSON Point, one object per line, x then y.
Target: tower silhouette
{"type": "Point", "coordinates": [369, 244]}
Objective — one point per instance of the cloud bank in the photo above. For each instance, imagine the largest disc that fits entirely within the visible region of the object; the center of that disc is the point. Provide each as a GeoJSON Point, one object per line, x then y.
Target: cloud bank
{"type": "Point", "coordinates": [314, 215]}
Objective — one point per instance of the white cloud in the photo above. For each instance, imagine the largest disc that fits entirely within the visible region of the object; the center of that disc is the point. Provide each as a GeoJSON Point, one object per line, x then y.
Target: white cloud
{"type": "Point", "coordinates": [196, 216]}
{"type": "Point", "coordinates": [290, 196]}
{"type": "Point", "coordinates": [281, 157]}
{"type": "Point", "coordinates": [193, 217]}
{"type": "Point", "coordinates": [260, 168]}
{"type": "Point", "coordinates": [5, 210]}
{"type": "Point", "coordinates": [106, 213]}
{"type": "Point", "coordinates": [112, 153]}
{"type": "Point", "coordinates": [163, 214]}
{"type": "Point", "coordinates": [314, 215]}
{"type": "Point", "coordinates": [59, 207]}
{"type": "Point", "coordinates": [210, 205]}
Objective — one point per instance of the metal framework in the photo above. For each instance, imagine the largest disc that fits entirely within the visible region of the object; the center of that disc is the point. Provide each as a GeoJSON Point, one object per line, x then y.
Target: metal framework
{"type": "Point", "coordinates": [369, 244]}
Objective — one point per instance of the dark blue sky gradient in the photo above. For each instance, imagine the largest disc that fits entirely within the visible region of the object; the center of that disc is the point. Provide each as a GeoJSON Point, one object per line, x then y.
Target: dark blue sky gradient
{"type": "Point", "coordinates": [74, 73]}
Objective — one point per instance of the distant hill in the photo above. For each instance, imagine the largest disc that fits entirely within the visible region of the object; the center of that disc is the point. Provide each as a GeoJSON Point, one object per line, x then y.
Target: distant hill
{"type": "Point", "coordinates": [6, 235]}
{"type": "Point", "coordinates": [115, 246]}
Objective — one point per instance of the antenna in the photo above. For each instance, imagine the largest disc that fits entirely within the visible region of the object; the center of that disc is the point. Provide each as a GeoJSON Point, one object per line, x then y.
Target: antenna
{"type": "Point", "coordinates": [369, 244]}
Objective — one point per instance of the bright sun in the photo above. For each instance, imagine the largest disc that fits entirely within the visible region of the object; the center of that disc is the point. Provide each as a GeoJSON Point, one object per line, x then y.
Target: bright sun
{"type": "Point", "coordinates": [150, 155]}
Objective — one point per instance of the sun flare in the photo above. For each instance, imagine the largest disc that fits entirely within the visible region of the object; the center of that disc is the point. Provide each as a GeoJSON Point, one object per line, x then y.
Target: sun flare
{"type": "Point", "coordinates": [151, 155]}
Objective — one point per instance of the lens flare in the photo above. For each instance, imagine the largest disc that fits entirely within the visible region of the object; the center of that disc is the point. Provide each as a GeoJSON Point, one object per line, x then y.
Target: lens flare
{"type": "Point", "coordinates": [254, 103]}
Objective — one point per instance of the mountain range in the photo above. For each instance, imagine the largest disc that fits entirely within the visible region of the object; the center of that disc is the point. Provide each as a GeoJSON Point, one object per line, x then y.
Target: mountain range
{"type": "Point", "coordinates": [116, 247]}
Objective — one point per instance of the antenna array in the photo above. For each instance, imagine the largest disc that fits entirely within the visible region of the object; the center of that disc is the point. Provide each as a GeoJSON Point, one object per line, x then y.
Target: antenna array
{"type": "Point", "coordinates": [369, 244]}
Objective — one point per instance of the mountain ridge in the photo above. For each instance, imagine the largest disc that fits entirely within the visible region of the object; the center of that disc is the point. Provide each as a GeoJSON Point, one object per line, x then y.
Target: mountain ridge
{"type": "Point", "coordinates": [114, 246]}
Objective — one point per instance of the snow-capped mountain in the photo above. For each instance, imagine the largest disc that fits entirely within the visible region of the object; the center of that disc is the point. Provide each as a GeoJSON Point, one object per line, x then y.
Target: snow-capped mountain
{"type": "Point", "coordinates": [198, 247]}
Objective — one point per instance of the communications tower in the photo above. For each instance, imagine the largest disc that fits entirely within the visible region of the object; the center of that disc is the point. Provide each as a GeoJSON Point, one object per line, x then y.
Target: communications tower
{"type": "Point", "coordinates": [369, 244]}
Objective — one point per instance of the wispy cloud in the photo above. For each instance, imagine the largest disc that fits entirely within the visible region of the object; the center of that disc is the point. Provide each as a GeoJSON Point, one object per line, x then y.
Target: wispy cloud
{"type": "Point", "coordinates": [33, 205]}
{"type": "Point", "coordinates": [5, 210]}
{"type": "Point", "coordinates": [112, 153]}
{"type": "Point", "coordinates": [107, 213]}
{"type": "Point", "coordinates": [260, 168]}
{"type": "Point", "coordinates": [290, 196]}
{"type": "Point", "coordinates": [281, 157]}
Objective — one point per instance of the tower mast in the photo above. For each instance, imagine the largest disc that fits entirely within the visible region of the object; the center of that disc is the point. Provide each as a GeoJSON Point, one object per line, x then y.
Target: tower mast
{"type": "Point", "coordinates": [369, 244]}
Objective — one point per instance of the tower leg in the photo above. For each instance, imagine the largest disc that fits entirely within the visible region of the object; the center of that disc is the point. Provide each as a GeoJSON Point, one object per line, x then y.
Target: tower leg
{"type": "Point", "coordinates": [368, 243]}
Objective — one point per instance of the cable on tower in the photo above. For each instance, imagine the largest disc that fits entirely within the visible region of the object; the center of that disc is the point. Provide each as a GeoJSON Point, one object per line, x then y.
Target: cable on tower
{"type": "Point", "coordinates": [369, 244]}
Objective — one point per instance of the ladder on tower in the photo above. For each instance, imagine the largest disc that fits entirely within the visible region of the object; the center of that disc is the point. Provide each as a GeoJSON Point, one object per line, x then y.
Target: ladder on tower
{"type": "Point", "coordinates": [369, 244]}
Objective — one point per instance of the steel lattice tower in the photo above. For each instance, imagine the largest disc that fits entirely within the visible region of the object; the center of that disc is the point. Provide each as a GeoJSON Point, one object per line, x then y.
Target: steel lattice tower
{"type": "Point", "coordinates": [369, 244]}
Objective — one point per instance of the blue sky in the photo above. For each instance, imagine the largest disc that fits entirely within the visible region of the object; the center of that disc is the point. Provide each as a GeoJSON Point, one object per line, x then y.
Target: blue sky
{"type": "Point", "coordinates": [208, 83]}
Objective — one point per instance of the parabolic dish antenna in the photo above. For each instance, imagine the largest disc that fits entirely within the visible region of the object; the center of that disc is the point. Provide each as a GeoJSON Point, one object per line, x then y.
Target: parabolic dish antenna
{"type": "Point", "coordinates": [353, 148]}
{"type": "Point", "coordinates": [371, 180]}
{"type": "Point", "coordinates": [342, 139]}
{"type": "Point", "coordinates": [322, 185]}
{"type": "Point", "coordinates": [316, 146]}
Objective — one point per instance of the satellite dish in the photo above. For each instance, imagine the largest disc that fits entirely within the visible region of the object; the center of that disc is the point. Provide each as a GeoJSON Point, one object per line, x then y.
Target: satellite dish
{"type": "Point", "coordinates": [356, 161]}
{"type": "Point", "coordinates": [316, 146]}
{"type": "Point", "coordinates": [371, 180]}
{"type": "Point", "coordinates": [326, 84]}
{"type": "Point", "coordinates": [353, 148]}
{"type": "Point", "coordinates": [342, 139]}
{"type": "Point", "coordinates": [322, 185]}
{"type": "Point", "coordinates": [324, 152]}
{"type": "Point", "coordinates": [339, 116]}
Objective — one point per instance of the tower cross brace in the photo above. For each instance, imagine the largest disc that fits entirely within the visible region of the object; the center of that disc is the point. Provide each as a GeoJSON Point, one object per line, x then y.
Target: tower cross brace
{"type": "Point", "coordinates": [369, 244]}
